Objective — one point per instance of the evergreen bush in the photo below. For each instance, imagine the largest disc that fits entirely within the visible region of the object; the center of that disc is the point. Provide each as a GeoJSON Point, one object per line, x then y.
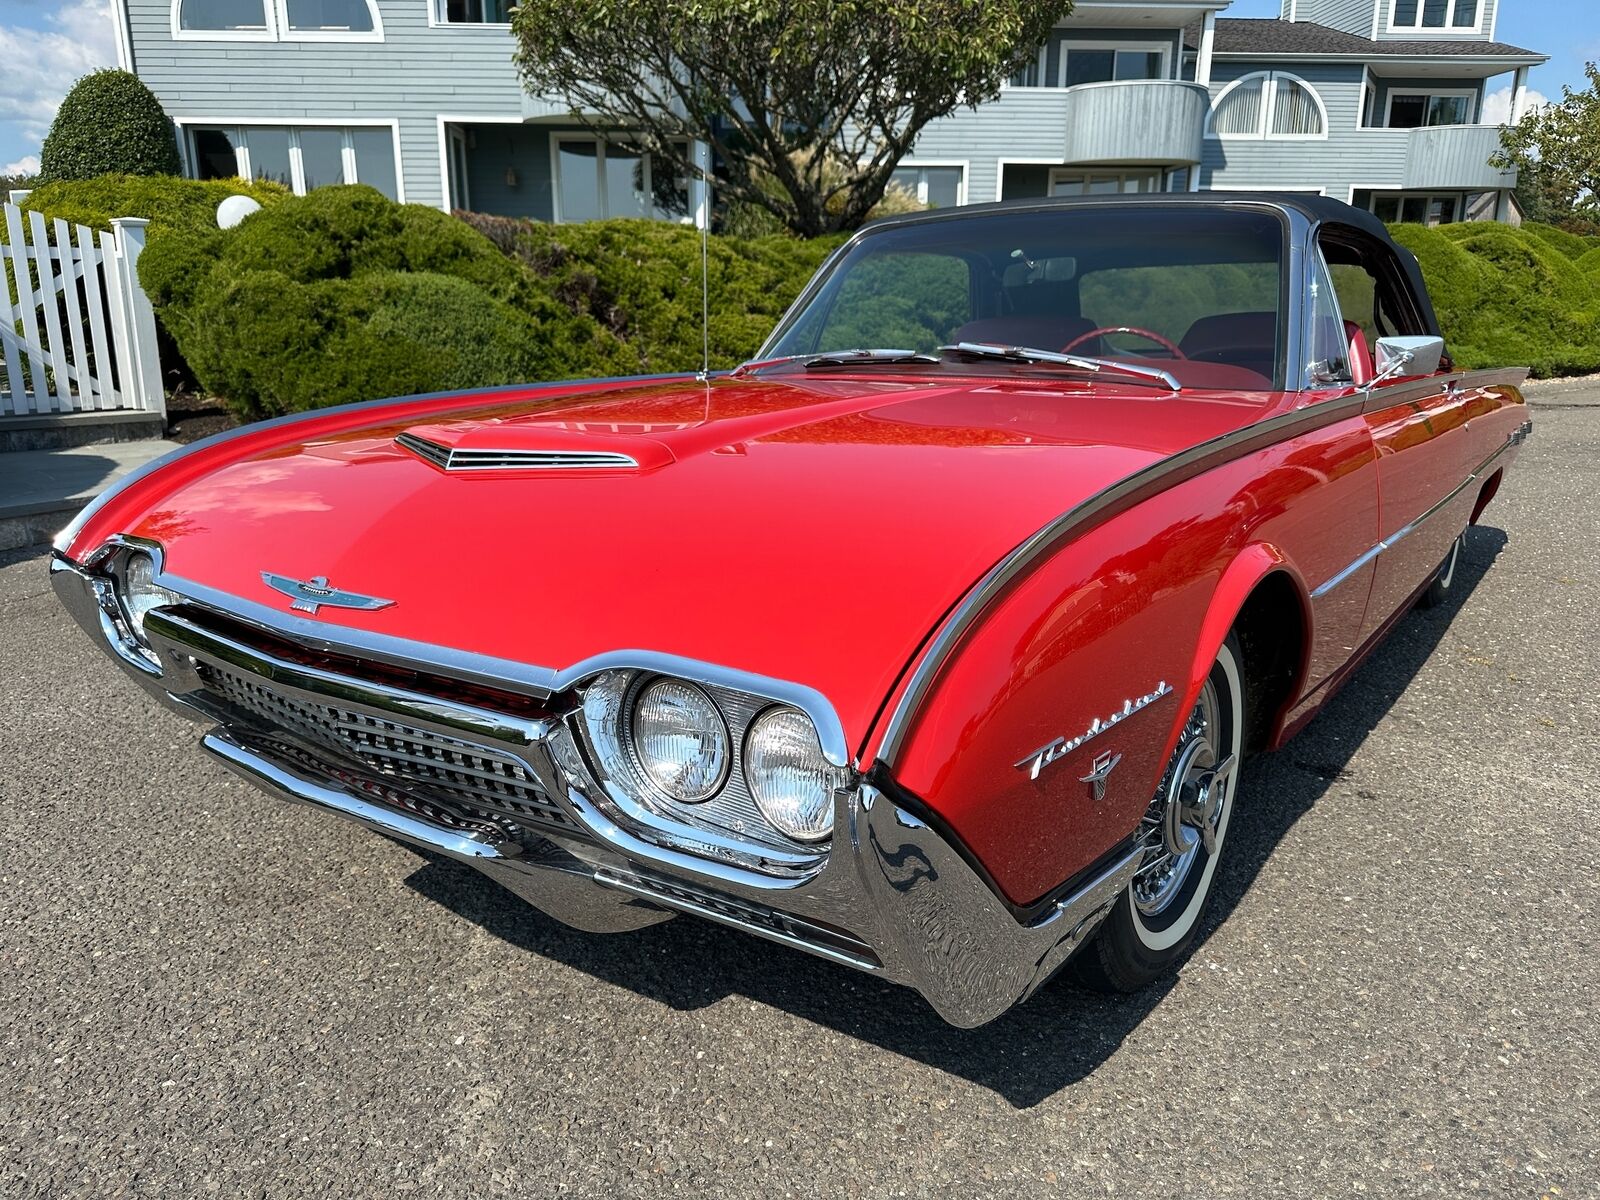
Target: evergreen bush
{"type": "Point", "coordinates": [1508, 297]}
{"type": "Point", "coordinates": [166, 201]}
{"type": "Point", "coordinates": [109, 122]}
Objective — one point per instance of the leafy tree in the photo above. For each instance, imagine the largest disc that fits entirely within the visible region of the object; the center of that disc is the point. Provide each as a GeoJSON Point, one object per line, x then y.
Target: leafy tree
{"type": "Point", "coordinates": [807, 104]}
{"type": "Point", "coordinates": [109, 123]}
{"type": "Point", "coordinates": [1558, 147]}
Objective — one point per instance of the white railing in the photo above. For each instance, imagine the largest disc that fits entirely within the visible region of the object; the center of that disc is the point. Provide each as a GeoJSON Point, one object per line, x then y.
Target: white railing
{"type": "Point", "coordinates": [77, 332]}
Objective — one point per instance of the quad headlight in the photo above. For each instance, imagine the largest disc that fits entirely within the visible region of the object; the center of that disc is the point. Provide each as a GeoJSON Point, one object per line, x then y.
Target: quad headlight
{"type": "Point", "coordinates": [139, 593]}
{"type": "Point", "coordinates": [680, 740]}
{"type": "Point", "coordinates": [791, 781]}
{"type": "Point", "coordinates": [712, 758]}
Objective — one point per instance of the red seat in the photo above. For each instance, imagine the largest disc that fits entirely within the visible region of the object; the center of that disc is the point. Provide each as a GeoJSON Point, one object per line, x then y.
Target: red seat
{"type": "Point", "coordinates": [1361, 371]}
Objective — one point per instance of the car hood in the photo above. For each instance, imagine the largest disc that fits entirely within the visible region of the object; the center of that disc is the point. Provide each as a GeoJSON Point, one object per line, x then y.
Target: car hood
{"type": "Point", "coordinates": [809, 529]}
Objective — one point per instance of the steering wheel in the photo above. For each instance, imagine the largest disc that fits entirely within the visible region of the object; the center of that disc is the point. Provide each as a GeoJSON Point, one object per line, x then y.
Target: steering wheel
{"type": "Point", "coordinates": [1134, 329]}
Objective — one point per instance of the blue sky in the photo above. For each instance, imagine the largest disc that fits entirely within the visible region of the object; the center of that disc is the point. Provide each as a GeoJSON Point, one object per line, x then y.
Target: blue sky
{"type": "Point", "coordinates": [46, 44]}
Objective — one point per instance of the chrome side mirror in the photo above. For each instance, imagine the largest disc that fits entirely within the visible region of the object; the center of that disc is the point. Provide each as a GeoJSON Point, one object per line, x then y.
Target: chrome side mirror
{"type": "Point", "coordinates": [1407, 356]}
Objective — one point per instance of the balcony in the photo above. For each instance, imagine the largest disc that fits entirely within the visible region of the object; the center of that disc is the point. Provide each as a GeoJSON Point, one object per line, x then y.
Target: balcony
{"type": "Point", "coordinates": [1135, 122]}
{"type": "Point", "coordinates": [1455, 157]}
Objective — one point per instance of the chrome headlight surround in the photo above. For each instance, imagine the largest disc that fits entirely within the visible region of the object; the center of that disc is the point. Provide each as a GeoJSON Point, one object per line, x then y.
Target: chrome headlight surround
{"type": "Point", "coordinates": [728, 824]}
{"type": "Point", "coordinates": [124, 574]}
{"type": "Point", "coordinates": [138, 593]}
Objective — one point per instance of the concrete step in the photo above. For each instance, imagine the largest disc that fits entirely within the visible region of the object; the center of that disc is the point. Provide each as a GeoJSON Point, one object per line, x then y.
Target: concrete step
{"type": "Point", "coordinates": [42, 490]}
{"type": "Point", "coordinates": [61, 431]}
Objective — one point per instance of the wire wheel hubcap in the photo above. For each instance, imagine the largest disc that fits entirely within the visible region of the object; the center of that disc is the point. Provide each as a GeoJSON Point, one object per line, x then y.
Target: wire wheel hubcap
{"type": "Point", "coordinates": [1186, 813]}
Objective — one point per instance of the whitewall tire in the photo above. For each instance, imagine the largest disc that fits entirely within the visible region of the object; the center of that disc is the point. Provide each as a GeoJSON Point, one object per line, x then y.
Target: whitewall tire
{"type": "Point", "coordinates": [1184, 832]}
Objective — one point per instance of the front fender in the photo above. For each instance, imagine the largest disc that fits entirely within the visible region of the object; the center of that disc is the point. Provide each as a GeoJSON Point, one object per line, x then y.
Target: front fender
{"type": "Point", "coordinates": [1240, 579]}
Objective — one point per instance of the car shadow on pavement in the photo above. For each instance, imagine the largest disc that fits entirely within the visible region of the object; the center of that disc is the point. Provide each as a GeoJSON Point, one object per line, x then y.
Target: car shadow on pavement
{"type": "Point", "coordinates": [1061, 1034]}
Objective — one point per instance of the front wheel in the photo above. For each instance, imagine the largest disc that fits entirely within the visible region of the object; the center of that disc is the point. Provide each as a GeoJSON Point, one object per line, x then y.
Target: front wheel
{"type": "Point", "coordinates": [1438, 589]}
{"type": "Point", "coordinates": [1183, 831]}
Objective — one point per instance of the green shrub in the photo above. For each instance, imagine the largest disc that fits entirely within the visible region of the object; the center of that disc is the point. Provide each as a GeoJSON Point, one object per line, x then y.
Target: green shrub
{"type": "Point", "coordinates": [166, 201]}
{"type": "Point", "coordinates": [344, 295]}
{"type": "Point", "coordinates": [1506, 297]}
{"type": "Point", "coordinates": [641, 280]}
{"type": "Point", "coordinates": [1573, 245]}
{"type": "Point", "coordinates": [1589, 264]}
{"type": "Point", "coordinates": [109, 122]}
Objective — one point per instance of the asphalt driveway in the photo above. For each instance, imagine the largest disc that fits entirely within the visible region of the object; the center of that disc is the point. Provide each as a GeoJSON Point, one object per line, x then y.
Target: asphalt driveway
{"type": "Point", "coordinates": [202, 991]}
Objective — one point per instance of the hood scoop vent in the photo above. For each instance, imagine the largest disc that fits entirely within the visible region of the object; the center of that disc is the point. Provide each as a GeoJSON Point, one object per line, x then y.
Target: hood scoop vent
{"type": "Point", "coordinates": [457, 458]}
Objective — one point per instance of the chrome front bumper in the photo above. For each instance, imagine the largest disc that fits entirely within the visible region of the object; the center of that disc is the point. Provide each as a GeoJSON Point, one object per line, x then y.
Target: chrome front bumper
{"type": "Point", "coordinates": [892, 897]}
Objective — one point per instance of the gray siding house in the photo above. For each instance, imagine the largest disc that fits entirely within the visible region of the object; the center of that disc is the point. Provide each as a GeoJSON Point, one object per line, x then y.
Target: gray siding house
{"type": "Point", "coordinates": [1378, 102]}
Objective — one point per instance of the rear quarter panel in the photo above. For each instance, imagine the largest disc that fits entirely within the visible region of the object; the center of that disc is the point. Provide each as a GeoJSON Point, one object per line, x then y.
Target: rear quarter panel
{"type": "Point", "coordinates": [1144, 598]}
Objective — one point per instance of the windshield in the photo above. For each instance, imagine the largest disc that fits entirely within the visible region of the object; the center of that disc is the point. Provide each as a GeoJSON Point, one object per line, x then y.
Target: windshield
{"type": "Point", "coordinates": [1197, 291]}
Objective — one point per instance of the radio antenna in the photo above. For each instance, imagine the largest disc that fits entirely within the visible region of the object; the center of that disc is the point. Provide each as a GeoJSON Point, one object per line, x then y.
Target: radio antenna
{"type": "Point", "coordinates": [705, 283]}
{"type": "Point", "coordinates": [702, 162]}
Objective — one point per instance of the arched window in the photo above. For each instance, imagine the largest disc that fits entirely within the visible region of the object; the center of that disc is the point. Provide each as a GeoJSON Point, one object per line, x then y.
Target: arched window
{"type": "Point", "coordinates": [281, 20]}
{"type": "Point", "coordinates": [1269, 104]}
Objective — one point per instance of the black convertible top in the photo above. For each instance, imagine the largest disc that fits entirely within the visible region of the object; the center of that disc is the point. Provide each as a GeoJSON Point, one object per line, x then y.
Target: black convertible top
{"type": "Point", "coordinates": [1315, 208]}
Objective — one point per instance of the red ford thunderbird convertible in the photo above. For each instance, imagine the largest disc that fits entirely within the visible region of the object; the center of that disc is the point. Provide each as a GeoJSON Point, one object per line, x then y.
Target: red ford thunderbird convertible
{"type": "Point", "coordinates": [931, 641]}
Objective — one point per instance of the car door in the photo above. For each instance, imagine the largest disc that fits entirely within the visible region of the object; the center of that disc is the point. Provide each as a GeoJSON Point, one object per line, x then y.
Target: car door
{"type": "Point", "coordinates": [1421, 431]}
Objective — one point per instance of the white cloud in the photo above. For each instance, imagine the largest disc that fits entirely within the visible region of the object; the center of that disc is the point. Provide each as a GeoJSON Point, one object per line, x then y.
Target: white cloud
{"type": "Point", "coordinates": [42, 63]}
{"type": "Point", "coordinates": [28, 164]}
{"type": "Point", "coordinates": [1497, 105]}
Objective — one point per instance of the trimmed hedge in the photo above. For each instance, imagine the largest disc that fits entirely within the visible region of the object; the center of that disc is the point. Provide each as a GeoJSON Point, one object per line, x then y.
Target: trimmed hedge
{"type": "Point", "coordinates": [109, 122]}
{"type": "Point", "coordinates": [344, 295]}
{"type": "Point", "coordinates": [166, 201]}
{"type": "Point", "coordinates": [641, 280]}
{"type": "Point", "coordinates": [1509, 297]}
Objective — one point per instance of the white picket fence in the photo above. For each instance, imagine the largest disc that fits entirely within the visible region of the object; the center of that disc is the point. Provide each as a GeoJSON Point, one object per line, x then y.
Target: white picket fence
{"type": "Point", "coordinates": [77, 332]}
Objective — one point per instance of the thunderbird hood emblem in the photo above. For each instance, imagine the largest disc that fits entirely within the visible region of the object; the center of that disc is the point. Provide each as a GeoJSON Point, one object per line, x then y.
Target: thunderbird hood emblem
{"type": "Point", "coordinates": [308, 595]}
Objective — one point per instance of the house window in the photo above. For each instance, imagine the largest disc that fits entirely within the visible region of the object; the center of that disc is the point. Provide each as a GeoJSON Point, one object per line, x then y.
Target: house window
{"type": "Point", "coordinates": [1091, 62]}
{"type": "Point", "coordinates": [474, 12]}
{"type": "Point", "coordinates": [300, 158]}
{"type": "Point", "coordinates": [224, 16]}
{"type": "Point", "coordinates": [598, 180]}
{"type": "Point", "coordinates": [327, 16]}
{"type": "Point", "coordinates": [937, 187]}
{"type": "Point", "coordinates": [1031, 73]}
{"type": "Point", "coordinates": [1413, 110]}
{"type": "Point", "coordinates": [277, 20]}
{"type": "Point", "coordinates": [1103, 183]}
{"type": "Point", "coordinates": [1434, 14]}
{"type": "Point", "coordinates": [1269, 104]}
{"type": "Point", "coordinates": [1390, 207]}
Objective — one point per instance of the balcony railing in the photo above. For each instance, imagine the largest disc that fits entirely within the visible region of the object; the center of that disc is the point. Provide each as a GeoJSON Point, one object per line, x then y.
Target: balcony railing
{"type": "Point", "coordinates": [1455, 156]}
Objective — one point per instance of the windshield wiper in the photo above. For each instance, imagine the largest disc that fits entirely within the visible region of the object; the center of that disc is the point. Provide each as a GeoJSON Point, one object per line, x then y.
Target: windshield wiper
{"type": "Point", "coordinates": [858, 358]}
{"type": "Point", "coordinates": [1027, 354]}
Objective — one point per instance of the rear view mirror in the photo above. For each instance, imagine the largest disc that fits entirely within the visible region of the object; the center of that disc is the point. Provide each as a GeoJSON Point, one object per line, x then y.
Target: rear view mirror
{"type": "Point", "coordinates": [1408, 356]}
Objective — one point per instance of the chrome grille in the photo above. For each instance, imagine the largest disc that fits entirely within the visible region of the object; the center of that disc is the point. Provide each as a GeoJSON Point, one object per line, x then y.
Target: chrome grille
{"type": "Point", "coordinates": [479, 777]}
{"type": "Point", "coordinates": [448, 458]}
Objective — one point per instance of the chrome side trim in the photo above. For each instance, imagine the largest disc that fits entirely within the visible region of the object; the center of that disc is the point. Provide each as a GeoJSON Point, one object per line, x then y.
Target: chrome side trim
{"type": "Point", "coordinates": [1515, 438]}
{"type": "Point", "coordinates": [65, 537]}
{"type": "Point", "coordinates": [454, 458]}
{"type": "Point", "coordinates": [1102, 506]}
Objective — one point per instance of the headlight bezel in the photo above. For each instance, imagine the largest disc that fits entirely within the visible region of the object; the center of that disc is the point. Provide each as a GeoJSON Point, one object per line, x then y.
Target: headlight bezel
{"type": "Point", "coordinates": [153, 595]}
{"type": "Point", "coordinates": [730, 825]}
